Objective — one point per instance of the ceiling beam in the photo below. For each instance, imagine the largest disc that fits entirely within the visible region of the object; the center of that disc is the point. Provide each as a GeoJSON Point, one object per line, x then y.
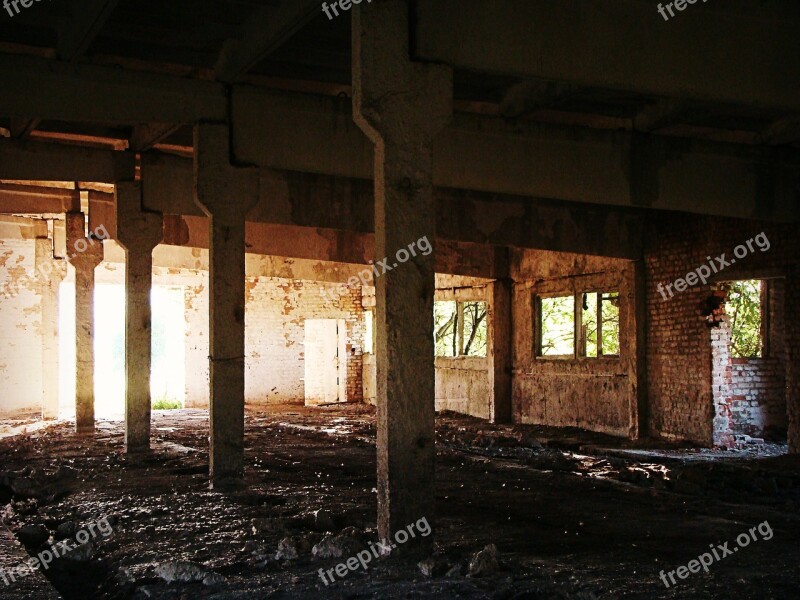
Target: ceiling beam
{"type": "Point", "coordinates": [316, 134]}
{"type": "Point", "coordinates": [266, 31]}
{"type": "Point", "coordinates": [22, 128]}
{"type": "Point", "coordinates": [54, 90]}
{"type": "Point", "coordinates": [87, 20]}
{"type": "Point", "coordinates": [41, 161]}
{"type": "Point", "coordinates": [147, 135]}
{"type": "Point", "coordinates": [31, 199]}
{"type": "Point", "coordinates": [527, 96]}
{"type": "Point", "coordinates": [658, 115]}
{"type": "Point", "coordinates": [735, 53]}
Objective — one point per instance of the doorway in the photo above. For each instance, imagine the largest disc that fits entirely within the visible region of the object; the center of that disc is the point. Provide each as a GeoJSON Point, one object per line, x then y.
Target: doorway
{"type": "Point", "coordinates": [325, 362]}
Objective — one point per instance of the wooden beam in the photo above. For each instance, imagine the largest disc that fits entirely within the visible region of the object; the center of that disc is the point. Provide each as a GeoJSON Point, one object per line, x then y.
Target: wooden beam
{"type": "Point", "coordinates": [21, 128]}
{"type": "Point", "coordinates": [265, 32]}
{"type": "Point", "coordinates": [87, 20]}
{"type": "Point", "coordinates": [147, 135]}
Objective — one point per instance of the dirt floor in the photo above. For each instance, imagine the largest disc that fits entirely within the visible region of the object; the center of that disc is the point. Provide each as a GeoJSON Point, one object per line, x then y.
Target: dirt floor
{"type": "Point", "coordinates": [571, 514]}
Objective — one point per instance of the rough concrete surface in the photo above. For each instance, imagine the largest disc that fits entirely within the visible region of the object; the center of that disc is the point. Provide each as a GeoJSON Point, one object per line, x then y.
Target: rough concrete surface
{"type": "Point", "coordinates": [568, 519]}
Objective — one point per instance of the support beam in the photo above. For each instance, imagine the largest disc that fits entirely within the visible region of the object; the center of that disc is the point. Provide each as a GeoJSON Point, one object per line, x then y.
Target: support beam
{"type": "Point", "coordinates": [401, 106]}
{"type": "Point", "coordinates": [42, 161]}
{"type": "Point", "coordinates": [145, 136]}
{"type": "Point", "coordinates": [31, 199]}
{"type": "Point", "coordinates": [500, 350]}
{"type": "Point", "coordinates": [266, 31]}
{"type": "Point", "coordinates": [85, 254]}
{"type": "Point", "coordinates": [55, 90]}
{"type": "Point", "coordinates": [575, 164]}
{"type": "Point", "coordinates": [138, 232]}
{"type": "Point", "coordinates": [22, 128]}
{"type": "Point", "coordinates": [52, 273]}
{"type": "Point", "coordinates": [625, 46]}
{"type": "Point", "coordinates": [77, 33]}
{"type": "Point", "coordinates": [226, 194]}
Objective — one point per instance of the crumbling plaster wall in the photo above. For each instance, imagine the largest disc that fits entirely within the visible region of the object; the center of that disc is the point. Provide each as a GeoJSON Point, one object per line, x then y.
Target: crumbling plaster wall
{"type": "Point", "coordinates": [590, 393]}
{"type": "Point", "coordinates": [679, 342]}
{"type": "Point", "coordinates": [20, 320]}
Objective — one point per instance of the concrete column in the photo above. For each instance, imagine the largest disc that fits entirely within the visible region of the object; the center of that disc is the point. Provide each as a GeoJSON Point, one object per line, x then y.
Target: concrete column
{"type": "Point", "coordinates": [51, 272]}
{"type": "Point", "coordinates": [793, 359]}
{"type": "Point", "coordinates": [83, 253]}
{"type": "Point", "coordinates": [401, 106]}
{"type": "Point", "coordinates": [500, 350]}
{"type": "Point", "coordinates": [138, 232]}
{"type": "Point", "coordinates": [226, 194]}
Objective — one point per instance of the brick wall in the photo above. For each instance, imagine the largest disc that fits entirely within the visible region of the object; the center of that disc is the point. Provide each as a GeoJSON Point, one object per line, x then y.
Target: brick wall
{"type": "Point", "coordinates": [679, 340]}
{"type": "Point", "coordinates": [276, 311]}
{"type": "Point", "coordinates": [750, 393]}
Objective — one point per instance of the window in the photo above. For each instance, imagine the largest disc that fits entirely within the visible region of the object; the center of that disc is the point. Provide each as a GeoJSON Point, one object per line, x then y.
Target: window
{"type": "Point", "coordinates": [460, 329]}
{"type": "Point", "coordinates": [595, 330]}
{"type": "Point", "coordinates": [557, 326]}
{"type": "Point", "coordinates": [744, 310]}
{"type": "Point", "coordinates": [474, 328]}
{"type": "Point", "coordinates": [600, 308]}
{"type": "Point", "coordinates": [445, 321]}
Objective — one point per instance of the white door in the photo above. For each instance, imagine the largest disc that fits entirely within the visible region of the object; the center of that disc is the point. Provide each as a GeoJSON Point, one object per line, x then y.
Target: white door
{"type": "Point", "coordinates": [325, 361]}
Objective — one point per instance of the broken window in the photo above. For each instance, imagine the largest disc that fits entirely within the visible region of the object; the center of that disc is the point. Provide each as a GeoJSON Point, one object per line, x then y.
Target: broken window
{"type": "Point", "coordinates": [557, 326]}
{"type": "Point", "coordinates": [744, 310]}
{"type": "Point", "coordinates": [445, 319]}
{"type": "Point", "coordinates": [460, 328]}
{"type": "Point", "coordinates": [475, 330]}
{"type": "Point", "coordinates": [600, 321]}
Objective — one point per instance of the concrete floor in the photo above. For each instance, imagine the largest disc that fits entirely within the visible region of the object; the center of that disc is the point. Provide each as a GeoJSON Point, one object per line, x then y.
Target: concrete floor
{"type": "Point", "coordinates": [572, 514]}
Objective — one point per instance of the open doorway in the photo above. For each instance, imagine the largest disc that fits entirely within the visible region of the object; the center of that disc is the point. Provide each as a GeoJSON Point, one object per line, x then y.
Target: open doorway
{"type": "Point", "coordinates": [325, 362]}
{"type": "Point", "coordinates": [167, 377]}
{"type": "Point", "coordinates": [749, 364]}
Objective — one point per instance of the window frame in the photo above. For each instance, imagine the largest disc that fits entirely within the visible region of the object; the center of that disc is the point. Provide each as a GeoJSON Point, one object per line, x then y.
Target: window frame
{"type": "Point", "coordinates": [459, 330]}
{"type": "Point", "coordinates": [578, 340]}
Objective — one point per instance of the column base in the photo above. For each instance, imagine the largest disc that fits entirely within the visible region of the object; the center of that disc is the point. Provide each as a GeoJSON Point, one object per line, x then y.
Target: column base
{"type": "Point", "coordinates": [85, 429]}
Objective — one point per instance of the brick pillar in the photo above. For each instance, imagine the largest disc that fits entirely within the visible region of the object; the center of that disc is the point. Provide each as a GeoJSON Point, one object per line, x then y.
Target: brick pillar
{"type": "Point", "coordinates": [52, 272]}
{"type": "Point", "coordinates": [401, 106]}
{"type": "Point", "coordinates": [225, 194]}
{"type": "Point", "coordinates": [83, 253]}
{"type": "Point", "coordinates": [138, 232]}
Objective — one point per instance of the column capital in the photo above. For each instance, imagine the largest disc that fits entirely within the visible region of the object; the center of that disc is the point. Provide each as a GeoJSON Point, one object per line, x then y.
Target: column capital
{"type": "Point", "coordinates": [82, 251]}
{"type": "Point", "coordinates": [395, 98]}
{"type": "Point", "coordinates": [138, 230]}
{"type": "Point", "coordinates": [223, 191]}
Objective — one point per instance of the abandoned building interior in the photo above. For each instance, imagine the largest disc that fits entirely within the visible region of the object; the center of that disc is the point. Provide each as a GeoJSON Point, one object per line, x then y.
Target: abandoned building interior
{"type": "Point", "coordinates": [397, 298]}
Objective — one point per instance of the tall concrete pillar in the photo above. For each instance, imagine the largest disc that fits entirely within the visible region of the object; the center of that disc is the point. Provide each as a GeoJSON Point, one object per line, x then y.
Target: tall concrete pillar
{"type": "Point", "coordinates": [226, 194]}
{"type": "Point", "coordinates": [402, 106]}
{"type": "Point", "coordinates": [51, 273]}
{"type": "Point", "coordinates": [138, 232]}
{"type": "Point", "coordinates": [500, 349]}
{"type": "Point", "coordinates": [83, 253]}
